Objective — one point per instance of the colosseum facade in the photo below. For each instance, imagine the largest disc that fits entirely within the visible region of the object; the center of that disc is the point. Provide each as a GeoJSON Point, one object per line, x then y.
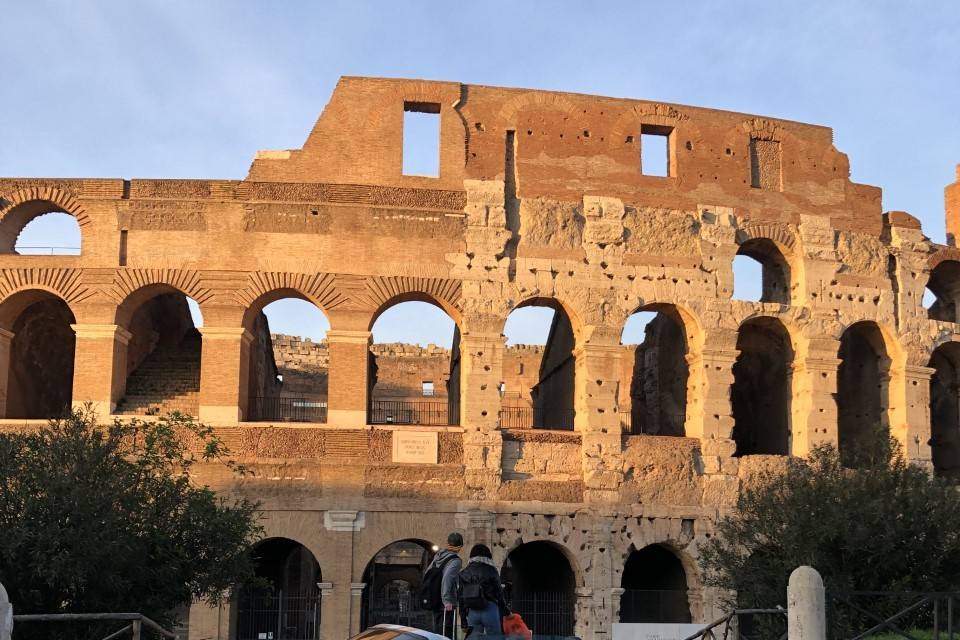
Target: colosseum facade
{"type": "Point", "coordinates": [596, 484]}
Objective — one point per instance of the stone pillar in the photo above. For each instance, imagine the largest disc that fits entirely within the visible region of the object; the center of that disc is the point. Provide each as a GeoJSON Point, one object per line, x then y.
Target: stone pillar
{"type": "Point", "coordinates": [5, 338]}
{"type": "Point", "coordinates": [814, 407]}
{"type": "Point", "coordinates": [616, 594]}
{"type": "Point", "coordinates": [479, 527]}
{"type": "Point", "coordinates": [348, 377]}
{"type": "Point", "coordinates": [481, 370]}
{"type": "Point", "coordinates": [327, 610]}
{"type": "Point", "coordinates": [100, 366]}
{"type": "Point", "coordinates": [224, 366]}
{"type": "Point", "coordinates": [806, 605]}
{"type": "Point", "coordinates": [356, 601]}
{"type": "Point", "coordinates": [720, 483]}
{"type": "Point", "coordinates": [598, 421]}
{"type": "Point", "coordinates": [917, 409]}
{"type": "Point", "coordinates": [584, 622]}
{"type": "Point", "coordinates": [209, 622]}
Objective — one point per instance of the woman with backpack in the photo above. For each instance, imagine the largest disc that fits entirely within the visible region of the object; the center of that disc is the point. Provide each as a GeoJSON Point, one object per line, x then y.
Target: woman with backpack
{"type": "Point", "coordinates": [480, 594]}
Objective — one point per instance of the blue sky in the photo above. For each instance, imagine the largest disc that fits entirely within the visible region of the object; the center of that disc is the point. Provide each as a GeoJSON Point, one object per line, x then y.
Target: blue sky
{"type": "Point", "coordinates": [169, 88]}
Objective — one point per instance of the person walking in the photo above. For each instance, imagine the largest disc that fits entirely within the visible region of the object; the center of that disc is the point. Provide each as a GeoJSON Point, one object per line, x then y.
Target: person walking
{"type": "Point", "coordinates": [480, 594]}
{"type": "Point", "coordinates": [440, 585]}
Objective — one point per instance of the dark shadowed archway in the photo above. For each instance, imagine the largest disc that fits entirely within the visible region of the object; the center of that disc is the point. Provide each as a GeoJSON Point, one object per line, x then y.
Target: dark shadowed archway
{"type": "Point", "coordinates": [392, 579]}
{"type": "Point", "coordinates": [761, 388]}
{"type": "Point", "coordinates": [541, 587]}
{"type": "Point", "coordinates": [945, 411]}
{"type": "Point", "coordinates": [655, 587]}
{"type": "Point", "coordinates": [862, 383]}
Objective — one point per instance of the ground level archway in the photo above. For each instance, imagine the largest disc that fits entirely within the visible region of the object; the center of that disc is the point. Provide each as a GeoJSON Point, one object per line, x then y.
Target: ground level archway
{"type": "Point", "coordinates": [655, 587]}
{"type": "Point", "coordinates": [392, 579]}
{"type": "Point", "coordinates": [285, 603]}
{"type": "Point", "coordinates": [540, 585]}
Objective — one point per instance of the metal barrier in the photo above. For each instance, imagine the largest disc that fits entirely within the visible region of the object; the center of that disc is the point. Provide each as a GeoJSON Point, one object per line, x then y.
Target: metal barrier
{"type": "Point", "coordinates": [855, 615]}
{"type": "Point", "coordinates": [654, 605]}
{"type": "Point", "coordinates": [278, 615]}
{"type": "Point", "coordinates": [137, 621]}
{"type": "Point", "coordinates": [34, 250]}
{"type": "Point", "coordinates": [414, 412]}
{"type": "Point", "coordinates": [547, 613]}
{"type": "Point", "coordinates": [536, 417]}
{"type": "Point", "coordinates": [286, 409]}
{"type": "Point", "coordinates": [743, 624]}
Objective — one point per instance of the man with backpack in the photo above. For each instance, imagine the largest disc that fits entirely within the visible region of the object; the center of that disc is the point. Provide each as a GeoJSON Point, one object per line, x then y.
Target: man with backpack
{"type": "Point", "coordinates": [438, 590]}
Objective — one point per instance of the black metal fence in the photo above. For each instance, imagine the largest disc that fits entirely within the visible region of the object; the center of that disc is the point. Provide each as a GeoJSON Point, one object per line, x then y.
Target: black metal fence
{"type": "Point", "coordinates": [285, 409]}
{"type": "Point", "coordinates": [416, 412]}
{"type": "Point", "coordinates": [651, 605]}
{"type": "Point", "coordinates": [856, 615]}
{"type": "Point", "coordinates": [636, 423]}
{"type": "Point", "coordinates": [547, 613]}
{"type": "Point", "coordinates": [278, 615]}
{"type": "Point", "coordinates": [536, 417]}
{"type": "Point", "coordinates": [401, 611]}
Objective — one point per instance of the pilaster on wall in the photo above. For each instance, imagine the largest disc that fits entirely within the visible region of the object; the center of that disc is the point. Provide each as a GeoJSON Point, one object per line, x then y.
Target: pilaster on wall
{"type": "Point", "coordinates": [349, 377]}
{"type": "Point", "coordinates": [5, 338]}
{"type": "Point", "coordinates": [720, 484]}
{"type": "Point", "coordinates": [915, 438]}
{"type": "Point", "coordinates": [598, 420]}
{"type": "Point", "coordinates": [100, 365]}
{"type": "Point", "coordinates": [224, 367]}
{"type": "Point", "coordinates": [481, 365]}
{"type": "Point", "coordinates": [814, 408]}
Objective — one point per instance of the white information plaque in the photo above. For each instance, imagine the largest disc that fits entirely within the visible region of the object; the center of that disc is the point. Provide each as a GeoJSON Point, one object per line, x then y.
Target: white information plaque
{"type": "Point", "coordinates": [420, 447]}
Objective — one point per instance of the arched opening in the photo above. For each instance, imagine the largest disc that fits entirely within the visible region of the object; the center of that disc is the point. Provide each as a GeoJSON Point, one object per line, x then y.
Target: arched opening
{"type": "Point", "coordinates": [862, 383]}
{"type": "Point", "coordinates": [163, 353]}
{"type": "Point", "coordinates": [761, 388]}
{"type": "Point", "coordinates": [761, 273]}
{"type": "Point", "coordinates": [540, 585]}
{"type": "Point", "coordinates": [288, 360]}
{"type": "Point", "coordinates": [655, 587]}
{"type": "Point", "coordinates": [39, 368]}
{"type": "Point", "coordinates": [943, 291]}
{"type": "Point", "coordinates": [392, 581]}
{"type": "Point", "coordinates": [284, 604]}
{"type": "Point", "coordinates": [539, 367]}
{"type": "Point", "coordinates": [945, 411]}
{"type": "Point", "coordinates": [39, 227]}
{"type": "Point", "coordinates": [653, 389]}
{"type": "Point", "coordinates": [414, 365]}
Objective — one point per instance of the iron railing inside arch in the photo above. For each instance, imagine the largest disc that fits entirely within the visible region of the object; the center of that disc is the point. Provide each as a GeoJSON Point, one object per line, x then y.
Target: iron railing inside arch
{"type": "Point", "coordinates": [636, 423]}
{"type": "Point", "coordinates": [36, 250]}
{"type": "Point", "coordinates": [287, 409]}
{"type": "Point", "coordinates": [549, 614]}
{"type": "Point", "coordinates": [280, 615]}
{"type": "Point", "coordinates": [439, 413]}
{"type": "Point", "coordinates": [536, 418]}
{"type": "Point", "coordinates": [655, 605]}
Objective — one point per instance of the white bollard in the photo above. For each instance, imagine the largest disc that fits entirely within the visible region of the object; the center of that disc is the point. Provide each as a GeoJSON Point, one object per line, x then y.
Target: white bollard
{"type": "Point", "coordinates": [806, 605]}
{"type": "Point", "coordinates": [6, 615]}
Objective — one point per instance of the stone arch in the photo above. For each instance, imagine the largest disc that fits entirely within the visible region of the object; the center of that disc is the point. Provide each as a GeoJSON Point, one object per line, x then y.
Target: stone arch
{"type": "Point", "coordinates": [399, 394]}
{"type": "Point", "coordinates": [945, 410]}
{"type": "Point", "coordinates": [864, 381]}
{"type": "Point", "coordinates": [655, 584]}
{"type": "Point", "coordinates": [762, 387]}
{"type": "Point", "coordinates": [385, 600]}
{"type": "Point", "coordinates": [63, 283]}
{"type": "Point", "coordinates": [20, 208]}
{"type": "Point", "coordinates": [542, 575]}
{"type": "Point", "coordinates": [658, 382]}
{"type": "Point", "coordinates": [772, 246]}
{"type": "Point", "coordinates": [550, 402]}
{"type": "Point", "coordinates": [292, 601]}
{"type": "Point", "coordinates": [37, 352]}
{"type": "Point", "coordinates": [944, 283]}
{"type": "Point", "coordinates": [272, 390]}
{"type": "Point", "coordinates": [161, 369]}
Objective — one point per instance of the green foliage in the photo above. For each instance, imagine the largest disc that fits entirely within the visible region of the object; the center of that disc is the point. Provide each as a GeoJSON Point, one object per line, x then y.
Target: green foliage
{"type": "Point", "coordinates": [105, 519]}
{"type": "Point", "coordinates": [885, 525]}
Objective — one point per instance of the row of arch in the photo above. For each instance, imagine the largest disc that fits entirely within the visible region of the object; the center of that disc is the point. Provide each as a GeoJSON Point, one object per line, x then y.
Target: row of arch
{"type": "Point", "coordinates": [540, 580]}
{"type": "Point", "coordinates": [653, 396]}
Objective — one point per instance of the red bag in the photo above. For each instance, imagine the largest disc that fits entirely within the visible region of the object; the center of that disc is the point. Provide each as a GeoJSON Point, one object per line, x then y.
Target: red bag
{"type": "Point", "coordinates": [515, 627]}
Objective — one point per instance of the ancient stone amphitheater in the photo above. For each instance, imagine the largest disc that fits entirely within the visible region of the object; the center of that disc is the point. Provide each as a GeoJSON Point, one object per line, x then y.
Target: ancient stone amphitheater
{"type": "Point", "coordinates": [597, 480]}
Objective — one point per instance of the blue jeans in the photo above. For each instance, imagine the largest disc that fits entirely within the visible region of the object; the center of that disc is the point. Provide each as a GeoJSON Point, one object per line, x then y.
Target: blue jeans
{"type": "Point", "coordinates": [485, 621]}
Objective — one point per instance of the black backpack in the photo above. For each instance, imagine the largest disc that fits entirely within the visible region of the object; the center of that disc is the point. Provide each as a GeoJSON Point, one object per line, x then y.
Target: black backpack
{"type": "Point", "coordinates": [430, 598]}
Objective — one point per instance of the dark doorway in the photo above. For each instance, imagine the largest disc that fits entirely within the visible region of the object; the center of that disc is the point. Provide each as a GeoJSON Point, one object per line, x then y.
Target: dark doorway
{"type": "Point", "coordinates": [655, 587]}
{"type": "Point", "coordinates": [284, 604]}
{"type": "Point", "coordinates": [541, 587]}
{"type": "Point", "coordinates": [861, 386]}
{"type": "Point", "coordinates": [761, 388]}
{"type": "Point", "coordinates": [945, 411]}
{"type": "Point", "coordinates": [393, 579]}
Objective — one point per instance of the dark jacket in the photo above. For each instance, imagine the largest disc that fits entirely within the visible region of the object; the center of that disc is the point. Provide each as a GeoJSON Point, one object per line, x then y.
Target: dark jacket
{"type": "Point", "coordinates": [448, 588]}
{"type": "Point", "coordinates": [482, 571]}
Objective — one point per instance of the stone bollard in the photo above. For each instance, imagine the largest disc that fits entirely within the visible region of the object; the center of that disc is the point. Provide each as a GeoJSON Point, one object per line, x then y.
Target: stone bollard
{"type": "Point", "coordinates": [806, 605]}
{"type": "Point", "coordinates": [6, 615]}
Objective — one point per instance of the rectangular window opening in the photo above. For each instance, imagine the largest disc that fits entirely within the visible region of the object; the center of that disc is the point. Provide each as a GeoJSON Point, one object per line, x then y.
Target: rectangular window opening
{"type": "Point", "coordinates": [427, 387]}
{"type": "Point", "coordinates": [655, 150]}
{"type": "Point", "coordinates": [421, 139]}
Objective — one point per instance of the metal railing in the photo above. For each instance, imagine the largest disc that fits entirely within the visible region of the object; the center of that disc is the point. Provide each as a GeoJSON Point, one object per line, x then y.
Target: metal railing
{"type": "Point", "coordinates": [856, 615]}
{"type": "Point", "coordinates": [655, 605]}
{"type": "Point", "coordinates": [536, 417]}
{"type": "Point", "coordinates": [277, 615]}
{"type": "Point", "coordinates": [414, 412]}
{"type": "Point", "coordinates": [36, 250]}
{"type": "Point", "coordinates": [137, 621]}
{"type": "Point", "coordinates": [636, 423]}
{"type": "Point", "coordinates": [547, 613]}
{"type": "Point", "coordinates": [746, 624]}
{"type": "Point", "coordinates": [286, 409]}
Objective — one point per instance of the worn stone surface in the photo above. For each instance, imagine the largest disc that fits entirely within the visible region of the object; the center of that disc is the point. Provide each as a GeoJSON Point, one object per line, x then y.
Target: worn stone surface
{"type": "Point", "coordinates": [540, 200]}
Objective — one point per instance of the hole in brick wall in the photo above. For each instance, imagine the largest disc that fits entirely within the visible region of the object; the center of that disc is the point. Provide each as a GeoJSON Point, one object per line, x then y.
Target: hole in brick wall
{"type": "Point", "coordinates": [54, 233]}
{"type": "Point", "coordinates": [761, 273]}
{"type": "Point", "coordinates": [655, 150]}
{"type": "Point", "coordinates": [421, 139]}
